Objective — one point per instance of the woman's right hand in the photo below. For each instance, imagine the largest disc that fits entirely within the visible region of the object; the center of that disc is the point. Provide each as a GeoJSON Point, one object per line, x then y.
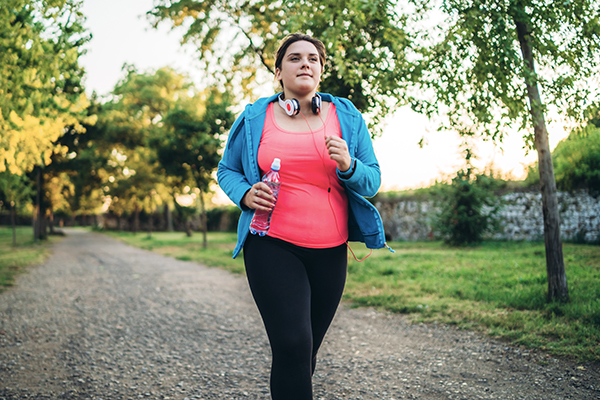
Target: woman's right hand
{"type": "Point", "coordinates": [259, 197]}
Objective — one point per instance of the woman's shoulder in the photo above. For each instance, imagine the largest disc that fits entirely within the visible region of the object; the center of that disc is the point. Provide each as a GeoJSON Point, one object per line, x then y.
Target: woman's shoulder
{"type": "Point", "coordinates": [259, 107]}
{"type": "Point", "coordinates": [341, 104]}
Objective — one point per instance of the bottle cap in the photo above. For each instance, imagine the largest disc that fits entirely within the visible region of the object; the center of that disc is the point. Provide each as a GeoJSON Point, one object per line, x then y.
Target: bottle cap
{"type": "Point", "coordinates": [276, 164]}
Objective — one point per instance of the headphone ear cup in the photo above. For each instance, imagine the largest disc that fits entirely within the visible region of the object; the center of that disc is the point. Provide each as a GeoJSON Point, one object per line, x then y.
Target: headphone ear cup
{"type": "Point", "coordinates": [316, 104]}
{"type": "Point", "coordinates": [290, 106]}
{"type": "Point", "coordinates": [295, 107]}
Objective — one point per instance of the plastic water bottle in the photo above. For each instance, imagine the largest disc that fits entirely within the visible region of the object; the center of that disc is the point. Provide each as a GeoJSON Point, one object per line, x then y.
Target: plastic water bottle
{"type": "Point", "coordinates": [262, 219]}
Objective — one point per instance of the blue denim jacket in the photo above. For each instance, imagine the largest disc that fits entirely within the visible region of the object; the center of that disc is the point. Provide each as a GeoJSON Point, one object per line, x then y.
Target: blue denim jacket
{"type": "Point", "coordinates": [238, 169]}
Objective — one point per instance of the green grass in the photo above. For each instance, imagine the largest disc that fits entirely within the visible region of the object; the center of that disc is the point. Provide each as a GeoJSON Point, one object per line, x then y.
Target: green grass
{"type": "Point", "coordinates": [14, 260]}
{"type": "Point", "coordinates": [177, 245]}
{"type": "Point", "coordinates": [498, 288]}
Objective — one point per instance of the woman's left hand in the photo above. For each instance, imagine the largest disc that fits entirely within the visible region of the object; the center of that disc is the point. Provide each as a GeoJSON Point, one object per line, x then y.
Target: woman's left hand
{"type": "Point", "coordinates": [338, 152]}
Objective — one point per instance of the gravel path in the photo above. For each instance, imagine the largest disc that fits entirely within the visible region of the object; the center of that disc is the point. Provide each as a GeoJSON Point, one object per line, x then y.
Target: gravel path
{"type": "Point", "coordinates": [103, 320]}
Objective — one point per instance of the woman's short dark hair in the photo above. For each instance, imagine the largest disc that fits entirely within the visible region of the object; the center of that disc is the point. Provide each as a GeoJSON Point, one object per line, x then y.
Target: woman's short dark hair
{"type": "Point", "coordinates": [296, 37]}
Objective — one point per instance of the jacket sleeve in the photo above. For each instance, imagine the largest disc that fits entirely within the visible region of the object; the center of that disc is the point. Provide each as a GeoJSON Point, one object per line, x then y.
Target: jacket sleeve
{"type": "Point", "coordinates": [366, 178]}
{"type": "Point", "coordinates": [230, 174]}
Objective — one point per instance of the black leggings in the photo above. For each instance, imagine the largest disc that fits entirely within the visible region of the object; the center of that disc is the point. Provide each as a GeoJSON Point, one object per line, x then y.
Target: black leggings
{"type": "Point", "coordinates": [297, 291]}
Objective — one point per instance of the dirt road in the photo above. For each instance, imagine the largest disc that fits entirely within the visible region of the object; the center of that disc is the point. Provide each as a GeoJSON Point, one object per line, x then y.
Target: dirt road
{"type": "Point", "coordinates": [102, 320]}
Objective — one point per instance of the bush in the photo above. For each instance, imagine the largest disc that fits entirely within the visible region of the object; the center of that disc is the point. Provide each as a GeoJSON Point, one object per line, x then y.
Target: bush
{"type": "Point", "coordinates": [467, 208]}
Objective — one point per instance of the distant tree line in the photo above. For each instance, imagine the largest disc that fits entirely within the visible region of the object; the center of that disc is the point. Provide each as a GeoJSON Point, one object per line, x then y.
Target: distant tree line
{"type": "Point", "coordinates": [154, 139]}
{"type": "Point", "coordinates": [154, 142]}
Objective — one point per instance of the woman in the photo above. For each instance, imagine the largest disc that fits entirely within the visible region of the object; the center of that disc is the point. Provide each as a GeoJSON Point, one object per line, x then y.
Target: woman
{"type": "Point", "coordinates": [297, 271]}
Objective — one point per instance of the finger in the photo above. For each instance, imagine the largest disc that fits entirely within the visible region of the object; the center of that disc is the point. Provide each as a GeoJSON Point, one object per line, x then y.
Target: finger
{"type": "Point", "coordinates": [261, 196]}
{"type": "Point", "coordinates": [263, 187]}
{"type": "Point", "coordinates": [337, 151]}
{"type": "Point", "coordinates": [260, 202]}
{"type": "Point", "coordinates": [264, 207]}
{"type": "Point", "coordinates": [332, 141]}
{"type": "Point", "coordinates": [265, 200]}
{"type": "Point", "coordinates": [339, 145]}
{"type": "Point", "coordinates": [338, 148]}
{"type": "Point", "coordinates": [264, 192]}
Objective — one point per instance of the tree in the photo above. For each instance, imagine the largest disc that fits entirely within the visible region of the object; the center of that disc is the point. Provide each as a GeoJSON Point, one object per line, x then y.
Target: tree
{"type": "Point", "coordinates": [84, 165]}
{"type": "Point", "coordinates": [463, 218]}
{"type": "Point", "coordinates": [481, 67]}
{"type": "Point", "coordinates": [237, 41]}
{"type": "Point", "coordinates": [58, 190]}
{"type": "Point", "coordinates": [131, 123]}
{"type": "Point", "coordinates": [189, 149]}
{"type": "Point", "coordinates": [477, 67]}
{"type": "Point", "coordinates": [576, 160]}
{"type": "Point", "coordinates": [142, 101]}
{"type": "Point", "coordinates": [40, 81]}
{"type": "Point", "coordinates": [159, 116]}
{"type": "Point", "coordinates": [134, 183]}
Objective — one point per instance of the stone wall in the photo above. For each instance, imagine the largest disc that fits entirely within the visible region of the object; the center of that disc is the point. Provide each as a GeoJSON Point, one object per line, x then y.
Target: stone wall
{"type": "Point", "coordinates": [520, 217]}
{"type": "Point", "coordinates": [407, 219]}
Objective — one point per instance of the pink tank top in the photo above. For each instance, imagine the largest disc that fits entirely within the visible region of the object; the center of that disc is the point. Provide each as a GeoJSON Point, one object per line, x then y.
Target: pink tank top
{"type": "Point", "coordinates": [307, 213]}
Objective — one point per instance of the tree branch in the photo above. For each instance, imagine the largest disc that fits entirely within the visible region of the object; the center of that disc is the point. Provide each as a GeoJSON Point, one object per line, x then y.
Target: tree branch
{"type": "Point", "coordinates": [257, 51]}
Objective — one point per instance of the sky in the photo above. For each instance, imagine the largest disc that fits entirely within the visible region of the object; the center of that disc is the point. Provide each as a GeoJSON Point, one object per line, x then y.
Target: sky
{"type": "Point", "coordinates": [126, 36]}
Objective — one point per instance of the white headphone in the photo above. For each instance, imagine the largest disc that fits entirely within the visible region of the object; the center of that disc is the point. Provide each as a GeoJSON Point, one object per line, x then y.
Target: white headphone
{"type": "Point", "coordinates": [292, 106]}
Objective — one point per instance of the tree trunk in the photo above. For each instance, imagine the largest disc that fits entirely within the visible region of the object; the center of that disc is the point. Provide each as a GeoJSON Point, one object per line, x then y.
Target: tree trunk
{"type": "Point", "coordinates": [169, 217]}
{"type": "Point", "coordinates": [136, 219]}
{"type": "Point", "coordinates": [34, 223]}
{"type": "Point", "coordinates": [36, 211]}
{"type": "Point", "coordinates": [555, 267]}
{"type": "Point", "coordinates": [185, 218]}
{"type": "Point", "coordinates": [203, 220]}
{"type": "Point", "coordinates": [42, 219]}
{"type": "Point", "coordinates": [51, 221]}
{"type": "Point", "coordinates": [150, 223]}
{"type": "Point", "coordinates": [188, 227]}
{"type": "Point", "coordinates": [13, 221]}
{"type": "Point", "coordinates": [44, 226]}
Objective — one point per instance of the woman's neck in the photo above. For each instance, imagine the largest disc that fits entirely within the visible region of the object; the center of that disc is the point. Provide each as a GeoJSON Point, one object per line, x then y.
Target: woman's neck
{"type": "Point", "coordinates": [305, 100]}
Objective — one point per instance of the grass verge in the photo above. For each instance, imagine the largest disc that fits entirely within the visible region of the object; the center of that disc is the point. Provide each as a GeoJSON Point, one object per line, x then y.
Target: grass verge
{"type": "Point", "coordinates": [15, 259]}
{"type": "Point", "coordinates": [498, 288]}
{"type": "Point", "coordinates": [178, 245]}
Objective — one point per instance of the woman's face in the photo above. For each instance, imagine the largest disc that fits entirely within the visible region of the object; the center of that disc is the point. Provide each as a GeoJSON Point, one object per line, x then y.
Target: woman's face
{"type": "Point", "coordinates": [300, 68]}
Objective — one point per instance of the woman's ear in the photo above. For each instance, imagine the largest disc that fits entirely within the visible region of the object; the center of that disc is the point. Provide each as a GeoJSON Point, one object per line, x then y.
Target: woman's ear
{"type": "Point", "coordinates": [277, 74]}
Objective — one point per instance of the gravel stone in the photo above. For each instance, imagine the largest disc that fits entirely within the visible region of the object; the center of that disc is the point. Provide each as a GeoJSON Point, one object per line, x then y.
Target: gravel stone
{"type": "Point", "coordinates": [103, 320]}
